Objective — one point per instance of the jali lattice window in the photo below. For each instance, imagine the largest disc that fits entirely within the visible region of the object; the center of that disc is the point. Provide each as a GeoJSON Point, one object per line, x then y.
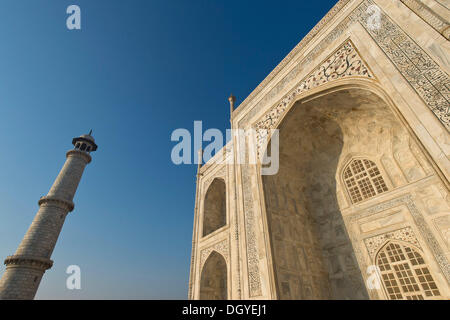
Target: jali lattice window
{"type": "Point", "coordinates": [363, 180]}
{"type": "Point", "coordinates": [405, 274]}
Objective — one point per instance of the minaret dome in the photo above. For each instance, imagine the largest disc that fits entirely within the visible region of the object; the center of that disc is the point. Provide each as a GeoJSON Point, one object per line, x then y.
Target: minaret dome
{"type": "Point", "coordinates": [85, 142]}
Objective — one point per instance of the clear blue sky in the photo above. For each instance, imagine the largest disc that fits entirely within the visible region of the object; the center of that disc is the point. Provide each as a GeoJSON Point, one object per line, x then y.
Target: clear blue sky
{"type": "Point", "coordinates": [135, 72]}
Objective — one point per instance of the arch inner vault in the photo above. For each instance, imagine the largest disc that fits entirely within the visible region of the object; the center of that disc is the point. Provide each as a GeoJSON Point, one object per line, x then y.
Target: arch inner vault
{"type": "Point", "coordinates": [332, 149]}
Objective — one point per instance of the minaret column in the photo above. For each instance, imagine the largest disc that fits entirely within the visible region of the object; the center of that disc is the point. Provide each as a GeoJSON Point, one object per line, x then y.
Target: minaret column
{"type": "Point", "coordinates": [24, 270]}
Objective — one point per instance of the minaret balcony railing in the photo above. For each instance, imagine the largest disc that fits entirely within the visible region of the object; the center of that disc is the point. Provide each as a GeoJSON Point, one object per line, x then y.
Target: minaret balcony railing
{"type": "Point", "coordinates": [28, 261]}
{"type": "Point", "coordinates": [61, 203]}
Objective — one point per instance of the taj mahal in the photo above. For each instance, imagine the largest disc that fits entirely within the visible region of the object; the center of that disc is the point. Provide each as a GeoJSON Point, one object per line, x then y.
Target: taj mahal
{"type": "Point", "coordinates": [363, 113]}
{"type": "Point", "coordinates": [359, 206]}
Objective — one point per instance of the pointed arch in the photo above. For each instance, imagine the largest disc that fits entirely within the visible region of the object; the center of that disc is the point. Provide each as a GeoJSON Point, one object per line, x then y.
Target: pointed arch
{"type": "Point", "coordinates": [404, 272]}
{"type": "Point", "coordinates": [213, 280]}
{"type": "Point", "coordinates": [264, 134]}
{"type": "Point", "coordinates": [215, 208]}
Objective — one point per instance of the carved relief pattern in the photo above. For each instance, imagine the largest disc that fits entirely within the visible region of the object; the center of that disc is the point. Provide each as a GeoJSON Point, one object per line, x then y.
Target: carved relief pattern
{"type": "Point", "coordinates": [250, 225]}
{"type": "Point", "coordinates": [420, 223]}
{"type": "Point", "coordinates": [444, 3]}
{"type": "Point", "coordinates": [238, 278]}
{"type": "Point", "coordinates": [443, 226]}
{"type": "Point", "coordinates": [405, 234]}
{"type": "Point", "coordinates": [404, 55]}
{"type": "Point", "coordinates": [373, 294]}
{"type": "Point", "coordinates": [422, 73]}
{"type": "Point", "coordinates": [434, 20]}
{"type": "Point", "coordinates": [221, 247]}
{"type": "Point", "coordinates": [344, 62]}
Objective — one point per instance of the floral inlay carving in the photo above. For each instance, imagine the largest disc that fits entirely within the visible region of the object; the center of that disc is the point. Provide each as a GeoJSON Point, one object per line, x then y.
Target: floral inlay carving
{"type": "Point", "coordinates": [221, 247]}
{"type": "Point", "coordinates": [405, 234]}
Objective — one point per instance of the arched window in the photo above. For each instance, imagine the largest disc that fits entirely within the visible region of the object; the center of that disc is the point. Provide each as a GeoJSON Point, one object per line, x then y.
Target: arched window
{"type": "Point", "coordinates": [215, 207]}
{"type": "Point", "coordinates": [404, 273]}
{"type": "Point", "coordinates": [83, 146]}
{"type": "Point", "coordinates": [363, 180]}
{"type": "Point", "coordinates": [213, 282]}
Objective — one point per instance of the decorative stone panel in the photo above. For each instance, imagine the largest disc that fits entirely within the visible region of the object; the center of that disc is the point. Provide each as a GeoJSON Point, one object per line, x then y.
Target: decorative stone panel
{"type": "Point", "coordinates": [221, 247]}
{"type": "Point", "coordinates": [343, 63]}
{"type": "Point", "coordinates": [420, 222]}
{"type": "Point", "coordinates": [221, 174]}
{"type": "Point", "coordinates": [428, 15]}
{"type": "Point", "coordinates": [443, 226]}
{"type": "Point", "coordinates": [424, 75]}
{"type": "Point", "coordinates": [373, 244]}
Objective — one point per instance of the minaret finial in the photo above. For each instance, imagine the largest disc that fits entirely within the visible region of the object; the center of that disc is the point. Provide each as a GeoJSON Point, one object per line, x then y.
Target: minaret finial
{"type": "Point", "coordinates": [231, 99]}
{"type": "Point", "coordinates": [200, 160]}
{"type": "Point", "coordinates": [200, 156]}
{"type": "Point", "coordinates": [90, 132]}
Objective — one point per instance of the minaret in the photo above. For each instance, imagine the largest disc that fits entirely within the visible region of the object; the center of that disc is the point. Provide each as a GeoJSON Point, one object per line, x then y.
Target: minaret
{"type": "Point", "coordinates": [24, 270]}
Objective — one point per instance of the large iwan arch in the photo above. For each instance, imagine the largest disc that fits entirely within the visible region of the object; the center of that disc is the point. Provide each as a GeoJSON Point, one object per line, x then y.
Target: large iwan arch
{"type": "Point", "coordinates": [326, 142]}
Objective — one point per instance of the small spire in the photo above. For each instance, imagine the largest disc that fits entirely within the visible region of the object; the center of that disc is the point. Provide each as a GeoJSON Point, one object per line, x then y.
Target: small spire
{"type": "Point", "coordinates": [200, 156]}
{"type": "Point", "coordinates": [90, 133]}
{"type": "Point", "coordinates": [200, 160]}
{"type": "Point", "coordinates": [231, 99]}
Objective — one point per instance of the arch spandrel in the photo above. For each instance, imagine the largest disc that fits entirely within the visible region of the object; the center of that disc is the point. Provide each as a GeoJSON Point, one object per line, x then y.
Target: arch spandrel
{"type": "Point", "coordinates": [325, 130]}
{"type": "Point", "coordinates": [344, 63]}
{"type": "Point", "coordinates": [220, 247]}
{"type": "Point", "coordinates": [219, 174]}
{"type": "Point", "coordinates": [406, 235]}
